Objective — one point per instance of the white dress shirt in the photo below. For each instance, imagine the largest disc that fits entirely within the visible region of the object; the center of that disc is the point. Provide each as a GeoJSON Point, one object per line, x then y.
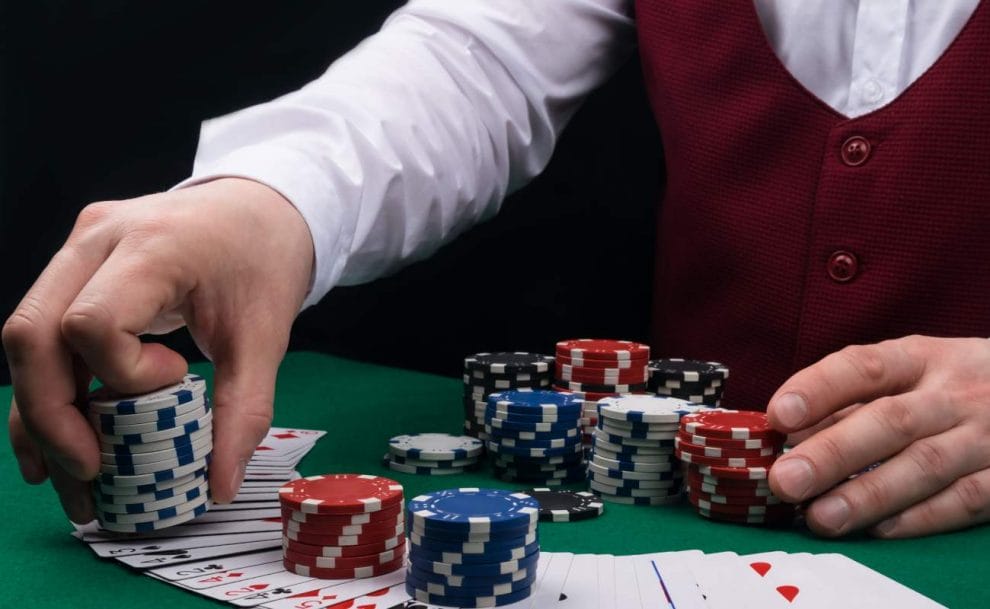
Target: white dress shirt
{"type": "Point", "coordinates": [423, 129]}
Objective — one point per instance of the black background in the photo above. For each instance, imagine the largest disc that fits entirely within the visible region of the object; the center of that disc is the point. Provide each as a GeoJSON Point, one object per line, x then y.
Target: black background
{"type": "Point", "coordinates": [103, 100]}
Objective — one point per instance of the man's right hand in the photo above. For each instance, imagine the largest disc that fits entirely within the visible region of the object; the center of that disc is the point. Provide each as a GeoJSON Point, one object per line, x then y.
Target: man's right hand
{"type": "Point", "coordinates": [231, 259]}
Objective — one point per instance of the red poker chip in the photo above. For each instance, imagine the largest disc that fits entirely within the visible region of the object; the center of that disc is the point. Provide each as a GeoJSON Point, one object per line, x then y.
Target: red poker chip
{"type": "Point", "coordinates": [344, 540]}
{"type": "Point", "coordinates": [344, 572]}
{"type": "Point", "coordinates": [741, 510]}
{"type": "Point", "coordinates": [328, 530]}
{"type": "Point", "coordinates": [737, 483]}
{"type": "Point", "coordinates": [587, 396]}
{"type": "Point", "coordinates": [728, 490]}
{"type": "Point", "coordinates": [772, 520]}
{"type": "Point", "coordinates": [751, 444]}
{"type": "Point", "coordinates": [562, 360]}
{"type": "Point", "coordinates": [345, 562]}
{"type": "Point", "coordinates": [731, 424]}
{"type": "Point", "coordinates": [343, 551]}
{"type": "Point", "coordinates": [728, 462]}
{"type": "Point", "coordinates": [724, 453]}
{"type": "Point", "coordinates": [340, 494]}
{"type": "Point", "coordinates": [602, 349]}
{"type": "Point", "coordinates": [731, 473]}
{"type": "Point", "coordinates": [735, 499]}
{"type": "Point", "coordinates": [385, 515]}
{"type": "Point", "coordinates": [602, 376]}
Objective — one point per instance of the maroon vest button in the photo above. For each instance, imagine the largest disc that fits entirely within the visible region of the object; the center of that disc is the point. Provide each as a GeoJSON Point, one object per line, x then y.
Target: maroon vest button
{"type": "Point", "coordinates": [855, 151]}
{"type": "Point", "coordinates": [842, 266]}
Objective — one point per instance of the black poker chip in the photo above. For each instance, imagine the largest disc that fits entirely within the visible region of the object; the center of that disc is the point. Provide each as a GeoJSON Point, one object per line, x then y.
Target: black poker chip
{"type": "Point", "coordinates": [509, 362]}
{"type": "Point", "coordinates": [566, 506]}
{"type": "Point", "coordinates": [688, 370]}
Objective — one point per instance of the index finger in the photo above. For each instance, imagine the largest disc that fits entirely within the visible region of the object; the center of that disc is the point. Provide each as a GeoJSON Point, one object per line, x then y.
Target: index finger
{"type": "Point", "coordinates": [856, 374]}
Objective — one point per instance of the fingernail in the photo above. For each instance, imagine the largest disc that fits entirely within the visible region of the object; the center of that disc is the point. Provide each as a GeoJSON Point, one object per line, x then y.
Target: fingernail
{"type": "Point", "coordinates": [791, 410]}
{"type": "Point", "coordinates": [80, 510]}
{"type": "Point", "coordinates": [31, 471]}
{"type": "Point", "coordinates": [794, 476]}
{"type": "Point", "coordinates": [832, 513]}
{"type": "Point", "coordinates": [237, 479]}
{"type": "Point", "coordinates": [886, 527]}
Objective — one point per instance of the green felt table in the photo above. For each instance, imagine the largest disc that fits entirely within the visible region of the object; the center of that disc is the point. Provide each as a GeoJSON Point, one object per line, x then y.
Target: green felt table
{"type": "Point", "coordinates": [361, 406]}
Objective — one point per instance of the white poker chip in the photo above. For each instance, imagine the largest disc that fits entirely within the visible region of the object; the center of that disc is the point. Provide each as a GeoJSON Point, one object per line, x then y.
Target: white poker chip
{"type": "Point", "coordinates": [647, 408]}
{"type": "Point", "coordinates": [157, 456]}
{"type": "Point", "coordinates": [160, 445]}
{"type": "Point", "coordinates": [159, 425]}
{"type": "Point", "coordinates": [105, 421]}
{"type": "Point", "coordinates": [201, 490]}
{"type": "Point", "coordinates": [152, 478]}
{"type": "Point", "coordinates": [171, 463]}
{"type": "Point", "coordinates": [165, 434]}
{"type": "Point", "coordinates": [190, 388]}
{"type": "Point", "coordinates": [435, 446]}
{"type": "Point", "coordinates": [169, 512]}
{"type": "Point", "coordinates": [187, 483]}
{"type": "Point", "coordinates": [155, 525]}
{"type": "Point", "coordinates": [633, 463]}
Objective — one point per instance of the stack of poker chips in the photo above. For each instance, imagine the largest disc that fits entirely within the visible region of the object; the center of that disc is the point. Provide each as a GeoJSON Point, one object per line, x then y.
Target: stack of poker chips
{"type": "Point", "coordinates": [593, 369]}
{"type": "Point", "coordinates": [433, 454]}
{"type": "Point", "coordinates": [692, 380]}
{"type": "Point", "coordinates": [472, 547]}
{"type": "Point", "coordinates": [342, 526]}
{"type": "Point", "coordinates": [633, 454]}
{"type": "Point", "coordinates": [487, 373]}
{"type": "Point", "coordinates": [154, 454]}
{"type": "Point", "coordinates": [534, 437]}
{"type": "Point", "coordinates": [728, 455]}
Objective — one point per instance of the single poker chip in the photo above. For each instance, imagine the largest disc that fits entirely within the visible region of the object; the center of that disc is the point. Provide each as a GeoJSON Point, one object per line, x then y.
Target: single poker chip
{"type": "Point", "coordinates": [174, 485]}
{"type": "Point", "coordinates": [474, 569]}
{"type": "Point", "coordinates": [157, 456]}
{"type": "Point", "coordinates": [166, 434]}
{"type": "Point", "coordinates": [424, 596]}
{"type": "Point", "coordinates": [575, 473]}
{"type": "Point", "coordinates": [634, 466]}
{"type": "Point", "coordinates": [176, 443]}
{"type": "Point", "coordinates": [538, 402]}
{"type": "Point", "coordinates": [510, 442]}
{"type": "Point", "coordinates": [159, 425]}
{"type": "Point", "coordinates": [479, 391]}
{"type": "Point", "coordinates": [692, 371]}
{"type": "Point", "coordinates": [734, 473]}
{"type": "Point", "coordinates": [724, 453]}
{"type": "Point", "coordinates": [750, 444]}
{"type": "Point", "coordinates": [730, 492]}
{"type": "Point", "coordinates": [107, 422]}
{"type": "Point", "coordinates": [734, 499]}
{"type": "Point", "coordinates": [461, 537]}
{"type": "Point", "coordinates": [469, 581]}
{"type": "Point", "coordinates": [429, 463]}
{"type": "Point", "coordinates": [536, 481]}
{"type": "Point", "coordinates": [602, 376]}
{"type": "Point", "coordinates": [340, 494]}
{"type": "Point", "coordinates": [525, 462]}
{"type": "Point", "coordinates": [655, 459]}
{"type": "Point", "coordinates": [748, 462]}
{"type": "Point", "coordinates": [390, 514]}
{"type": "Point", "coordinates": [613, 389]}
{"type": "Point", "coordinates": [493, 589]}
{"type": "Point", "coordinates": [491, 556]}
{"type": "Point", "coordinates": [424, 471]}
{"type": "Point", "coordinates": [599, 472]}
{"type": "Point", "coordinates": [617, 423]}
{"type": "Point", "coordinates": [566, 506]}
{"type": "Point", "coordinates": [470, 547]}
{"type": "Point", "coordinates": [771, 520]}
{"type": "Point", "coordinates": [536, 417]}
{"type": "Point", "coordinates": [630, 492]}
{"type": "Point", "coordinates": [151, 516]}
{"type": "Point", "coordinates": [169, 464]}
{"type": "Point", "coordinates": [154, 525]}
{"type": "Point", "coordinates": [602, 349]}
{"type": "Point", "coordinates": [647, 409]}
{"type": "Point", "coordinates": [732, 424]}
{"type": "Point", "coordinates": [555, 426]}
{"type": "Point", "coordinates": [148, 481]}
{"type": "Point", "coordinates": [104, 401]}
{"type": "Point", "coordinates": [509, 362]}
{"type": "Point", "coordinates": [635, 434]}
{"type": "Point", "coordinates": [595, 364]}
{"type": "Point", "coordinates": [202, 490]}
{"type": "Point", "coordinates": [343, 551]}
{"type": "Point", "coordinates": [660, 447]}
{"type": "Point", "coordinates": [344, 572]}
{"type": "Point", "coordinates": [535, 466]}
{"type": "Point", "coordinates": [472, 509]}
{"type": "Point", "coordinates": [740, 484]}
{"type": "Point", "coordinates": [381, 529]}
{"type": "Point", "coordinates": [363, 539]}
{"type": "Point", "coordinates": [774, 510]}
{"type": "Point", "coordinates": [503, 449]}
{"type": "Point", "coordinates": [435, 446]}
{"type": "Point", "coordinates": [664, 500]}
{"type": "Point", "coordinates": [342, 562]}
{"type": "Point", "coordinates": [634, 483]}
{"type": "Point", "coordinates": [187, 484]}
{"type": "Point", "coordinates": [569, 432]}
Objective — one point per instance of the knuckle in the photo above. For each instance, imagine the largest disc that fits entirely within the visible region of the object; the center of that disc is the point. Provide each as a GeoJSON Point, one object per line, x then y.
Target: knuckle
{"type": "Point", "coordinates": [93, 215]}
{"type": "Point", "coordinates": [932, 461]}
{"type": "Point", "coordinates": [84, 320]}
{"type": "Point", "coordinates": [875, 492]}
{"type": "Point", "coordinates": [866, 360]}
{"type": "Point", "coordinates": [896, 414]}
{"type": "Point", "coordinates": [23, 327]}
{"type": "Point", "coordinates": [974, 496]}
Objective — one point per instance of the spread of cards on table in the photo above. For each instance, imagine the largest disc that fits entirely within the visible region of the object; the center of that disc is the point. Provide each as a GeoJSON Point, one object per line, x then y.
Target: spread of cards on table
{"type": "Point", "coordinates": [597, 423]}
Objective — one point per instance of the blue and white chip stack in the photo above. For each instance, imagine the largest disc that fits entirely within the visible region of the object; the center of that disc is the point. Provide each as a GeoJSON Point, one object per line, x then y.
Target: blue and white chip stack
{"type": "Point", "coordinates": [632, 458]}
{"type": "Point", "coordinates": [535, 437]}
{"type": "Point", "coordinates": [472, 547]}
{"type": "Point", "coordinates": [154, 454]}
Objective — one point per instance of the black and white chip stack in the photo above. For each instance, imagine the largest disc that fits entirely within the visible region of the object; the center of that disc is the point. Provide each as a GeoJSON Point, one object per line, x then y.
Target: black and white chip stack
{"type": "Point", "coordinates": [692, 380]}
{"type": "Point", "coordinates": [487, 373]}
{"type": "Point", "coordinates": [433, 454]}
{"type": "Point", "coordinates": [633, 453]}
{"type": "Point", "coordinates": [155, 452]}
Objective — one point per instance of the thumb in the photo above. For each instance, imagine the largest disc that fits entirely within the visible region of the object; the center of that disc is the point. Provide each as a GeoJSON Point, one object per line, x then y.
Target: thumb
{"type": "Point", "coordinates": [244, 391]}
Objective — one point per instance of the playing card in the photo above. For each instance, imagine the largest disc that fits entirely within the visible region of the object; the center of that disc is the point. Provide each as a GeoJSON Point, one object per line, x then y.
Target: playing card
{"type": "Point", "coordinates": [327, 593]}
{"type": "Point", "coordinates": [606, 581]}
{"type": "Point", "coordinates": [664, 579]}
{"type": "Point", "coordinates": [190, 530]}
{"type": "Point", "coordinates": [149, 560]}
{"type": "Point", "coordinates": [215, 565]}
{"type": "Point", "coordinates": [580, 589]}
{"type": "Point", "coordinates": [795, 584]}
{"type": "Point", "coordinates": [245, 505]}
{"type": "Point", "coordinates": [233, 576]}
{"type": "Point", "coordinates": [253, 592]}
{"type": "Point", "coordinates": [123, 547]}
{"type": "Point", "coordinates": [549, 590]}
{"type": "Point", "coordinates": [282, 440]}
{"type": "Point", "coordinates": [232, 515]}
{"type": "Point", "coordinates": [849, 576]}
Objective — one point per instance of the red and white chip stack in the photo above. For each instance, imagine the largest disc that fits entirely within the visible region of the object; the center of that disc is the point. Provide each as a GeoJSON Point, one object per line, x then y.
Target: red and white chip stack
{"type": "Point", "coordinates": [594, 368]}
{"type": "Point", "coordinates": [342, 526]}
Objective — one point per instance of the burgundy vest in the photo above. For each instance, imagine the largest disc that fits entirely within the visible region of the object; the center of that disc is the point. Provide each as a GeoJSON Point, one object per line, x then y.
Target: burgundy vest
{"type": "Point", "coordinates": [788, 231]}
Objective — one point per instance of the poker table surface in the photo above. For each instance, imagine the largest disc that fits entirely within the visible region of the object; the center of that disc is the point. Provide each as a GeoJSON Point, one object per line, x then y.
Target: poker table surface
{"type": "Point", "coordinates": [362, 406]}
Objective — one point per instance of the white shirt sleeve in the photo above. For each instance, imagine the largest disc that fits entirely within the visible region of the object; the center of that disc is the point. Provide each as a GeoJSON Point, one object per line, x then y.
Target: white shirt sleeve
{"type": "Point", "coordinates": [422, 130]}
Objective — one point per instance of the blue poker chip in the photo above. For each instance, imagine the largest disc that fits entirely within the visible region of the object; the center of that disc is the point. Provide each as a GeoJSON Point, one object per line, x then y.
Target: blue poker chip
{"type": "Point", "coordinates": [509, 442]}
{"type": "Point", "coordinates": [522, 451]}
{"type": "Point", "coordinates": [520, 434]}
{"type": "Point", "coordinates": [538, 402]}
{"type": "Point", "coordinates": [472, 509]}
{"type": "Point", "coordinates": [476, 586]}
{"type": "Point", "coordinates": [465, 602]}
{"type": "Point", "coordinates": [458, 558]}
{"type": "Point", "coordinates": [475, 569]}
{"type": "Point", "coordinates": [549, 417]}
{"type": "Point", "coordinates": [530, 426]}
{"type": "Point", "coordinates": [471, 547]}
{"type": "Point", "coordinates": [465, 537]}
